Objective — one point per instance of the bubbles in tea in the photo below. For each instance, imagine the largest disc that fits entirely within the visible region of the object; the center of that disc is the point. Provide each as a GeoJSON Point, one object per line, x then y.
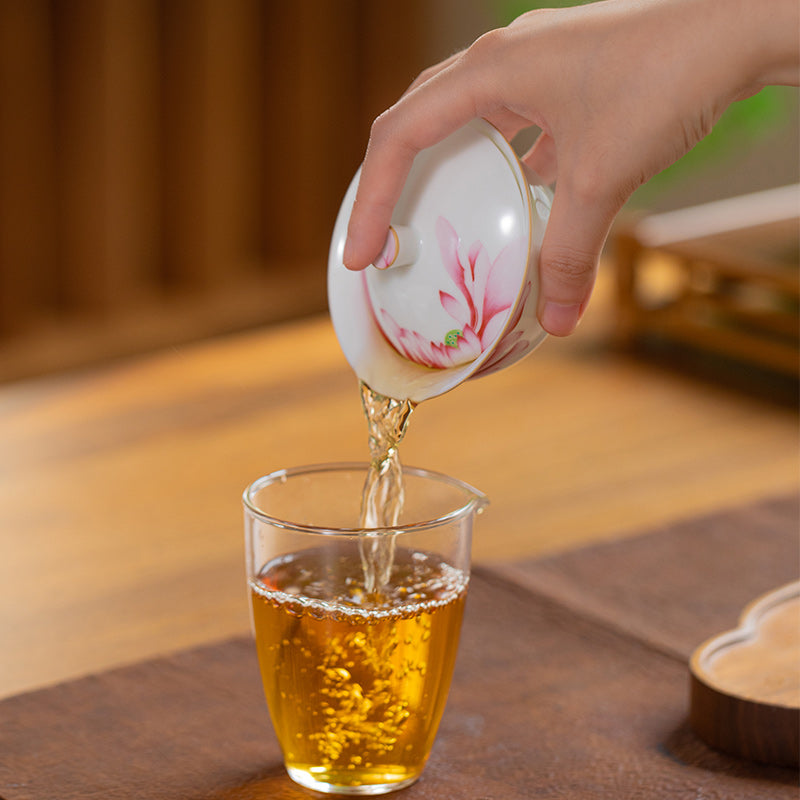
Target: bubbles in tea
{"type": "Point", "coordinates": [356, 684]}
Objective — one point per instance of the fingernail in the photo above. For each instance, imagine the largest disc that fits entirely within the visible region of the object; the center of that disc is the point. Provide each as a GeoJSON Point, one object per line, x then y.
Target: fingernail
{"type": "Point", "coordinates": [347, 254]}
{"type": "Point", "coordinates": [560, 319]}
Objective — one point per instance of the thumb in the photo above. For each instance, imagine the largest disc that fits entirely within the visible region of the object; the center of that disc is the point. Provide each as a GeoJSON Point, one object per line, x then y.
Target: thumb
{"type": "Point", "coordinates": [575, 235]}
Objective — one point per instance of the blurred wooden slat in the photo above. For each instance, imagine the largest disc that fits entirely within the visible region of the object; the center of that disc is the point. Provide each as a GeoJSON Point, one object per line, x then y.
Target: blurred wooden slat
{"type": "Point", "coordinates": [106, 84]}
{"type": "Point", "coordinates": [312, 132]}
{"type": "Point", "coordinates": [212, 112]}
{"type": "Point", "coordinates": [133, 226]}
{"type": "Point", "coordinates": [27, 163]}
{"type": "Point", "coordinates": [392, 54]}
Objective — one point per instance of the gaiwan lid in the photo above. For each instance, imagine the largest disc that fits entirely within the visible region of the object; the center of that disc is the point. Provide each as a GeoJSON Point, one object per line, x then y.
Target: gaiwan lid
{"type": "Point", "coordinates": [453, 295]}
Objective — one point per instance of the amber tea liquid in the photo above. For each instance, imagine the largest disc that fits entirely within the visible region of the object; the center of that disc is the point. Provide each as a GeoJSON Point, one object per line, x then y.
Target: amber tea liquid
{"type": "Point", "coordinates": [356, 687]}
{"type": "Point", "coordinates": [357, 641]}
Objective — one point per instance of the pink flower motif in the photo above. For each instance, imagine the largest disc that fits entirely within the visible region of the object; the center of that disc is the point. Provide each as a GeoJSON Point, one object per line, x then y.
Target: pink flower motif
{"type": "Point", "coordinates": [513, 345]}
{"type": "Point", "coordinates": [486, 291]}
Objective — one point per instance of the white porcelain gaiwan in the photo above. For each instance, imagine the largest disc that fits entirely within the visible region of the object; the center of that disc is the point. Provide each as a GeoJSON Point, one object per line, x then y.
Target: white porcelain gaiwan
{"type": "Point", "coordinates": [454, 293]}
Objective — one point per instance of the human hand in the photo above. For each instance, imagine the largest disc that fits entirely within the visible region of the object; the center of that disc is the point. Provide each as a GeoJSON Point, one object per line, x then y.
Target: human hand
{"type": "Point", "coordinates": [620, 89]}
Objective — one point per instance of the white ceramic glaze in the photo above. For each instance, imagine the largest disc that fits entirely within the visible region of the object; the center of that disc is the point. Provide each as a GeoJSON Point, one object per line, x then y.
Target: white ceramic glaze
{"type": "Point", "coordinates": [453, 295]}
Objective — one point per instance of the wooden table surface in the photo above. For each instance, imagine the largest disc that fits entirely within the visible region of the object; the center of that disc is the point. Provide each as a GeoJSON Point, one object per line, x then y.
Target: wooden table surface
{"type": "Point", "coordinates": [120, 518]}
{"type": "Point", "coordinates": [571, 681]}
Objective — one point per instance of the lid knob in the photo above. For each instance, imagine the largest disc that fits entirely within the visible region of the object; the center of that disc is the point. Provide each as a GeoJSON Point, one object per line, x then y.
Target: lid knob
{"type": "Point", "coordinates": [401, 248]}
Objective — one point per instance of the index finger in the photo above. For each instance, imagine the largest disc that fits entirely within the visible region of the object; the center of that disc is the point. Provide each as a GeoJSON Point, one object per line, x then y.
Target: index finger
{"type": "Point", "coordinates": [424, 116]}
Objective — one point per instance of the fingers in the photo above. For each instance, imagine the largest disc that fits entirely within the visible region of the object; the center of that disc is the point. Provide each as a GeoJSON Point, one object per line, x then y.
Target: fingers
{"type": "Point", "coordinates": [541, 158]}
{"type": "Point", "coordinates": [424, 116]}
{"type": "Point", "coordinates": [576, 232]}
{"type": "Point", "coordinates": [385, 168]}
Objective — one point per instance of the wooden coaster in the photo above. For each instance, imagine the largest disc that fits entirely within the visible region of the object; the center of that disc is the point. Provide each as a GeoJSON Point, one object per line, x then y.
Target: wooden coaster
{"type": "Point", "coordinates": [745, 684]}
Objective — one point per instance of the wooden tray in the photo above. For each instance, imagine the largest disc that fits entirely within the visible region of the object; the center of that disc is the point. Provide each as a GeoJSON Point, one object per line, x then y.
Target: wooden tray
{"type": "Point", "coordinates": [745, 684]}
{"type": "Point", "coordinates": [721, 277]}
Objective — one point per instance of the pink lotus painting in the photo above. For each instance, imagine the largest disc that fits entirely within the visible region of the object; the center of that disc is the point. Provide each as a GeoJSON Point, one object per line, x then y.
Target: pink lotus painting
{"type": "Point", "coordinates": [486, 293]}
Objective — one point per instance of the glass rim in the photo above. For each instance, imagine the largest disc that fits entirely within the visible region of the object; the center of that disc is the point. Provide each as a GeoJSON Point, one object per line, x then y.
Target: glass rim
{"type": "Point", "coordinates": [476, 502]}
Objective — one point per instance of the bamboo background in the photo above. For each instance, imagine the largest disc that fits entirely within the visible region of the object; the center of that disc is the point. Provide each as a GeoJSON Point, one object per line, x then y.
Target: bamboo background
{"type": "Point", "coordinates": [171, 169]}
